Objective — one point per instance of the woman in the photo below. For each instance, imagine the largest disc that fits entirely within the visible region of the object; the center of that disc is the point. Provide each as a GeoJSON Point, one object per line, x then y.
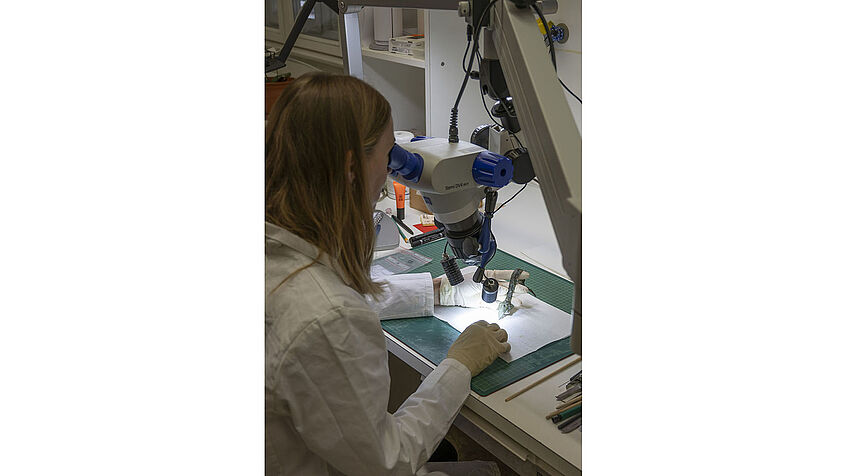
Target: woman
{"type": "Point", "coordinates": [326, 369]}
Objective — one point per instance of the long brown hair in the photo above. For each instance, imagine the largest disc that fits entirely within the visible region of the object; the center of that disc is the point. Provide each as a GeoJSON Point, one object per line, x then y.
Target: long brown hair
{"type": "Point", "coordinates": [317, 122]}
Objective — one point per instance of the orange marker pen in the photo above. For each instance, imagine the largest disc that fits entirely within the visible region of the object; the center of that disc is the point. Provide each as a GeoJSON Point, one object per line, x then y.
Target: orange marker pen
{"type": "Point", "coordinates": [400, 198]}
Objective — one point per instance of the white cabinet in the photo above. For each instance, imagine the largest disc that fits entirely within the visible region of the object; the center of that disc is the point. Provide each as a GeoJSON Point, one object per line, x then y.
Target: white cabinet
{"type": "Point", "coordinates": [422, 91]}
{"type": "Point", "coordinates": [400, 78]}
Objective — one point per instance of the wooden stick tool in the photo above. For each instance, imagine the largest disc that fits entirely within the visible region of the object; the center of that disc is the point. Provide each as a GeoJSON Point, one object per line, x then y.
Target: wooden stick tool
{"type": "Point", "coordinates": [566, 366]}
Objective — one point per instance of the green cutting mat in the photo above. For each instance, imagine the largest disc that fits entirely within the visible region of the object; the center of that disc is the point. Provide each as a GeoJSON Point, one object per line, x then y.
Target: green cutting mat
{"type": "Point", "coordinates": [432, 337]}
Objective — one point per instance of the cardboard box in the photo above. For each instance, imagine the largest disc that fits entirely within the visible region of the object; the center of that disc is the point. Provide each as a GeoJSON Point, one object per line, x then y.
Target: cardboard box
{"type": "Point", "coordinates": [416, 201]}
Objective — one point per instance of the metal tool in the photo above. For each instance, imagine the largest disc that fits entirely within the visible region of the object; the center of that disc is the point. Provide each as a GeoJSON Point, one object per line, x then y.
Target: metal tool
{"type": "Point", "coordinates": [570, 399]}
{"type": "Point", "coordinates": [575, 381]}
{"type": "Point", "coordinates": [506, 308]}
{"type": "Point", "coordinates": [571, 425]}
{"type": "Point", "coordinates": [567, 393]}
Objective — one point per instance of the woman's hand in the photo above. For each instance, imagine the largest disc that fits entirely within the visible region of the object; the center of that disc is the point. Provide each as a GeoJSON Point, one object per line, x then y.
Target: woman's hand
{"type": "Point", "coordinates": [479, 345]}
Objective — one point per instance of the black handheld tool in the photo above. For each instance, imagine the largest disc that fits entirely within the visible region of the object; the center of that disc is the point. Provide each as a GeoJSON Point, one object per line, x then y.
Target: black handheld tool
{"type": "Point", "coordinates": [427, 237]}
{"type": "Point", "coordinates": [400, 222]}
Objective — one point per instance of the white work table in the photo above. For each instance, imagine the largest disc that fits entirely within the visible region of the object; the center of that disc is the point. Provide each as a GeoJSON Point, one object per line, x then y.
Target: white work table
{"type": "Point", "coordinates": [516, 432]}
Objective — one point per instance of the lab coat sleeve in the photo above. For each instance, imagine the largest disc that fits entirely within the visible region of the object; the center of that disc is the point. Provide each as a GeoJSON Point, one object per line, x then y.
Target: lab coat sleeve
{"type": "Point", "coordinates": [335, 384]}
{"type": "Point", "coordinates": [406, 295]}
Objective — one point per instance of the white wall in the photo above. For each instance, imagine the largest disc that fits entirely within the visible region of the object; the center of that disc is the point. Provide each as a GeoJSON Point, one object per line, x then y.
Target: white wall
{"type": "Point", "coordinates": [445, 45]}
{"type": "Point", "coordinates": [403, 86]}
{"type": "Point", "coordinates": [569, 54]}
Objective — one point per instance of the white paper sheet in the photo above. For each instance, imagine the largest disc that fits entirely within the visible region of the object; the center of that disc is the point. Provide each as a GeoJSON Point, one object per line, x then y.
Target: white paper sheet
{"type": "Point", "coordinates": [401, 261]}
{"type": "Point", "coordinates": [378, 272]}
{"type": "Point", "coordinates": [532, 326]}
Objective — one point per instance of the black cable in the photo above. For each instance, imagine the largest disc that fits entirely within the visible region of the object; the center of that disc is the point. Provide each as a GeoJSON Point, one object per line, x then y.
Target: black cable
{"type": "Point", "coordinates": [517, 139]}
{"type": "Point", "coordinates": [569, 90]}
{"type": "Point", "coordinates": [485, 106]}
{"type": "Point", "coordinates": [454, 113]}
{"type": "Point", "coordinates": [467, 47]}
{"type": "Point", "coordinates": [445, 247]}
{"type": "Point", "coordinates": [552, 50]}
{"type": "Point", "coordinates": [474, 50]}
{"type": "Point", "coordinates": [549, 36]}
{"type": "Point", "coordinates": [482, 97]}
{"type": "Point", "coordinates": [511, 198]}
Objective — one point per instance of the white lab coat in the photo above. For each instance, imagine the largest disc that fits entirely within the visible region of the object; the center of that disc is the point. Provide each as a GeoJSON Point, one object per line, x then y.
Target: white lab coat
{"type": "Point", "coordinates": [326, 373]}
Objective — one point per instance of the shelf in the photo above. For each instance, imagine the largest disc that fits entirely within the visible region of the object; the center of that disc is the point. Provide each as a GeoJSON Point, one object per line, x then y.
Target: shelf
{"type": "Point", "coordinates": [393, 57]}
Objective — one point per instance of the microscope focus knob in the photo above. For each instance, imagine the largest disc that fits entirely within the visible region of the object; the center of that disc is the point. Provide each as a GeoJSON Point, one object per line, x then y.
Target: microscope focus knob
{"type": "Point", "coordinates": [492, 170]}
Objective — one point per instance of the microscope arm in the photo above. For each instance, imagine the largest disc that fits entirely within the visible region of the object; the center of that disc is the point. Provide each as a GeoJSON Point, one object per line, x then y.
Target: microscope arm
{"type": "Point", "coordinates": [552, 137]}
